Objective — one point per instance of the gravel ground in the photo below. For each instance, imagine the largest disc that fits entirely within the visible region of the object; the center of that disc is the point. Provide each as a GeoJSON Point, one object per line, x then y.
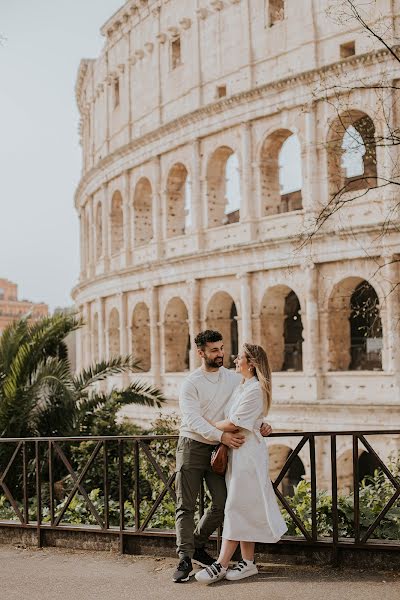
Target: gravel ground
{"type": "Point", "coordinates": [59, 574]}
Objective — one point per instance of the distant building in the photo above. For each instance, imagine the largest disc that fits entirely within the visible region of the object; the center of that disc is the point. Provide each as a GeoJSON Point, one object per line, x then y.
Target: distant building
{"type": "Point", "coordinates": [12, 309]}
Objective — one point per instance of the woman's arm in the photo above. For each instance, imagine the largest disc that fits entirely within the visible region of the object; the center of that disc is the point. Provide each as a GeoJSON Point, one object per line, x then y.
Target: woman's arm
{"type": "Point", "coordinates": [226, 425]}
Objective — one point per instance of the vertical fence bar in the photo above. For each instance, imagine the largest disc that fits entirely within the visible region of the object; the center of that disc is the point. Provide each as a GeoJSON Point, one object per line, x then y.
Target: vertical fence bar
{"type": "Point", "coordinates": [38, 495]}
{"type": "Point", "coordinates": [137, 486]}
{"type": "Point", "coordinates": [25, 482]}
{"type": "Point", "coordinates": [106, 487]}
{"type": "Point", "coordinates": [335, 515]}
{"type": "Point", "coordinates": [51, 482]}
{"type": "Point", "coordinates": [314, 529]}
{"type": "Point", "coordinates": [356, 490]}
{"type": "Point", "coordinates": [121, 494]}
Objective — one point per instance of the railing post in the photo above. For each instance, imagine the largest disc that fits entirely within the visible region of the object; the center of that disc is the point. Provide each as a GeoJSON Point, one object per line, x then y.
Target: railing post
{"type": "Point", "coordinates": [38, 495]}
{"type": "Point", "coordinates": [314, 529]}
{"type": "Point", "coordinates": [121, 494]}
{"type": "Point", "coordinates": [335, 519]}
{"type": "Point", "coordinates": [106, 487]}
{"type": "Point", "coordinates": [137, 487]}
{"type": "Point", "coordinates": [51, 482]}
{"type": "Point", "coordinates": [25, 483]}
{"type": "Point", "coordinates": [356, 490]}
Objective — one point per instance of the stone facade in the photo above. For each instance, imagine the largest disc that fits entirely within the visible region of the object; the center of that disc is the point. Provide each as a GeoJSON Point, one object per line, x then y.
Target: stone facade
{"type": "Point", "coordinates": [182, 90]}
{"type": "Point", "coordinates": [12, 309]}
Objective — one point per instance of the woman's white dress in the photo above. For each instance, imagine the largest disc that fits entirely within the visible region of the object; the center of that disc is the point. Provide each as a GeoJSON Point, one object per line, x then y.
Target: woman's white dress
{"type": "Point", "coordinates": [251, 512]}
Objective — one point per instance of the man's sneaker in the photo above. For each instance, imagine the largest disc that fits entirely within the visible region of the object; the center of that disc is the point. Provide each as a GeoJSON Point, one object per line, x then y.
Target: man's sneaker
{"type": "Point", "coordinates": [211, 574]}
{"type": "Point", "coordinates": [244, 568]}
{"type": "Point", "coordinates": [183, 571]}
{"type": "Point", "coordinates": [202, 558]}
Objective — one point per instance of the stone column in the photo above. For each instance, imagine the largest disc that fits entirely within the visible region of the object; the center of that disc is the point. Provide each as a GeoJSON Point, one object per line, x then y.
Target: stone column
{"type": "Point", "coordinates": [106, 227]}
{"type": "Point", "coordinates": [309, 155]}
{"type": "Point", "coordinates": [194, 321]}
{"type": "Point", "coordinates": [155, 348]}
{"type": "Point", "coordinates": [81, 218]}
{"type": "Point", "coordinates": [311, 349]}
{"type": "Point", "coordinates": [156, 14]}
{"type": "Point", "coordinates": [247, 42]}
{"type": "Point", "coordinates": [102, 328]}
{"type": "Point", "coordinates": [247, 201]}
{"type": "Point", "coordinates": [106, 333]}
{"type": "Point", "coordinates": [156, 208]}
{"type": "Point", "coordinates": [127, 205]}
{"type": "Point", "coordinates": [78, 342]}
{"type": "Point", "coordinates": [245, 333]}
{"type": "Point", "coordinates": [196, 196]}
{"type": "Point", "coordinates": [198, 63]}
{"type": "Point", "coordinates": [92, 238]}
{"type": "Point", "coordinates": [123, 323]}
{"type": "Point", "coordinates": [391, 312]}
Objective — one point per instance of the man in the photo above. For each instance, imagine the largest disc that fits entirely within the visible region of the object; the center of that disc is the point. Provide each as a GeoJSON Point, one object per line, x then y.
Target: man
{"type": "Point", "coordinates": [203, 395]}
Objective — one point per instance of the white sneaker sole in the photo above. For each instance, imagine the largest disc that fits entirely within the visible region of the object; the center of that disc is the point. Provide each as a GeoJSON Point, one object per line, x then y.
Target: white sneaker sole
{"type": "Point", "coordinates": [209, 581]}
{"type": "Point", "coordinates": [237, 576]}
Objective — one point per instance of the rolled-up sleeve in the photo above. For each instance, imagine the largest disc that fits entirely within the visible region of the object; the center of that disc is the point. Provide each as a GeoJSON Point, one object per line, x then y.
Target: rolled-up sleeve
{"type": "Point", "coordinates": [189, 404]}
{"type": "Point", "coordinates": [249, 409]}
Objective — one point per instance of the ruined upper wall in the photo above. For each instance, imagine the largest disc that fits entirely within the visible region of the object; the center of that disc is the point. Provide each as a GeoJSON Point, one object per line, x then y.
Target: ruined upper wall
{"type": "Point", "coordinates": [166, 58]}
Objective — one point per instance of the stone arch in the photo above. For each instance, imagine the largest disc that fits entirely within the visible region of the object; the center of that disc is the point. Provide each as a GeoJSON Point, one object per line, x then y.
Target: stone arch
{"type": "Point", "coordinates": [140, 329]}
{"type": "Point", "coordinates": [223, 187]}
{"type": "Point", "coordinates": [95, 338]}
{"type": "Point", "coordinates": [117, 223]}
{"type": "Point", "coordinates": [351, 152]}
{"type": "Point", "coordinates": [176, 200]}
{"type": "Point", "coordinates": [281, 328]}
{"type": "Point", "coordinates": [176, 336]}
{"type": "Point", "coordinates": [367, 464]}
{"type": "Point", "coordinates": [99, 230]}
{"type": "Point", "coordinates": [114, 348]}
{"type": "Point", "coordinates": [280, 173]}
{"type": "Point", "coordinates": [278, 455]}
{"type": "Point", "coordinates": [143, 212]}
{"type": "Point", "coordinates": [354, 326]}
{"type": "Point", "coordinates": [221, 315]}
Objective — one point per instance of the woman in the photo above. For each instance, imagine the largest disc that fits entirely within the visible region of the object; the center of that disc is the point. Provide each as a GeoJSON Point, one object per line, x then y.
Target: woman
{"type": "Point", "coordinates": [251, 511]}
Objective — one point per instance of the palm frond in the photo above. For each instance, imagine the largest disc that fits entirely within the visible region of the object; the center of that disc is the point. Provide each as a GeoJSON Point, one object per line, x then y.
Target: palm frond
{"type": "Point", "coordinates": [103, 369]}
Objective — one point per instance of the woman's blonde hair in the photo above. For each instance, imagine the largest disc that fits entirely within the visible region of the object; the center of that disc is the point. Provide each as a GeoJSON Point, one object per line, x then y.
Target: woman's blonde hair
{"type": "Point", "coordinates": [258, 358]}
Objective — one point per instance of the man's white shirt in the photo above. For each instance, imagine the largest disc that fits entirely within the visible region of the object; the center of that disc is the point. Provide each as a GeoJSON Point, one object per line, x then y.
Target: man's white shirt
{"type": "Point", "coordinates": [203, 395]}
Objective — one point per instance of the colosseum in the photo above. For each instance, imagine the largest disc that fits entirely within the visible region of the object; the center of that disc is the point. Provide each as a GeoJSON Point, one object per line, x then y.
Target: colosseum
{"type": "Point", "coordinates": [213, 132]}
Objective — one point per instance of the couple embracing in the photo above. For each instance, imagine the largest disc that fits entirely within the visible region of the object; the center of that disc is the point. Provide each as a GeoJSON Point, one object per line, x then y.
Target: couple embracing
{"type": "Point", "coordinates": [219, 405]}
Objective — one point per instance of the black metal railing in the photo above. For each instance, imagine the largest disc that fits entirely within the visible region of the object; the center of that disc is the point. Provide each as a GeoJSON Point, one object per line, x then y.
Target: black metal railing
{"type": "Point", "coordinates": [33, 469]}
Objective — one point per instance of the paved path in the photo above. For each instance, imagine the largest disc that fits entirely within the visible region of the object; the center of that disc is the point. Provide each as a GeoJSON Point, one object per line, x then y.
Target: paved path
{"type": "Point", "coordinates": [59, 574]}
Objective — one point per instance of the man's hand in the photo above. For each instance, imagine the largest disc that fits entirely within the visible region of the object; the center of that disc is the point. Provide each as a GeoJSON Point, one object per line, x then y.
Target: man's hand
{"type": "Point", "coordinates": [232, 440]}
{"type": "Point", "coordinates": [265, 429]}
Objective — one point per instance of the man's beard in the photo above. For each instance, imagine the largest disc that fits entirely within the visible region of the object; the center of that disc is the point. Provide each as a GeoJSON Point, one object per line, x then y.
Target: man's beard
{"type": "Point", "coordinates": [213, 363]}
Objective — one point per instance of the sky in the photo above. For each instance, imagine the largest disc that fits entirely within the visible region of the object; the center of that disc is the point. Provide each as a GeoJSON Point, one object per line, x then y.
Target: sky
{"type": "Point", "coordinates": [42, 43]}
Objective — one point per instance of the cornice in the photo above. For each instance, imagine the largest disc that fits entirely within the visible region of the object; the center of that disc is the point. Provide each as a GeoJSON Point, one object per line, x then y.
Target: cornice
{"type": "Point", "coordinates": [223, 105]}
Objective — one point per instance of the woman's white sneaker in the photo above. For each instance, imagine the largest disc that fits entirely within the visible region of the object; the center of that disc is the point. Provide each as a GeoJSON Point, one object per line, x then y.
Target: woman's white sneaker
{"type": "Point", "coordinates": [244, 568]}
{"type": "Point", "coordinates": [211, 574]}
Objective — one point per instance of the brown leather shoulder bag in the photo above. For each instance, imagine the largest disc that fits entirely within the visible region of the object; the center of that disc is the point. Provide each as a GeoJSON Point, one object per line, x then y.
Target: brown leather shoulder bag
{"type": "Point", "coordinates": [219, 459]}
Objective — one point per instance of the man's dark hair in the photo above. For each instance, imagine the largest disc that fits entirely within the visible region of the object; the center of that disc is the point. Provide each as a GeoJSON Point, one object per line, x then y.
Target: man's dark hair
{"type": "Point", "coordinates": [208, 335]}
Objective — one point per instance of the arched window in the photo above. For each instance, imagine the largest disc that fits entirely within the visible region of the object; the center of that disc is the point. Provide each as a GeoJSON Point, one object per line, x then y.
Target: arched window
{"type": "Point", "coordinates": [178, 200]}
{"type": "Point", "coordinates": [223, 188]}
{"type": "Point", "coordinates": [99, 231]}
{"type": "Point", "coordinates": [222, 316]}
{"type": "Point", "coordinates": [117, 224]}
{"type": "Point", "coordinates": [278, 455]}
{"type": "Point", "coordinates": [280, 173]}
{"type": "Point", "coordinates": [176, 336]}
{"type": "Point", "coordinates": [143, 212]}
{"type": "Point", "coordinates": [355, 328]}
{"type": "Point", "coordinates": [281, 329]}
{"type": "Point", "coordinates": [113, 334]}
{"type": "Point", "coordinates": [141, 336]}
{"type": "Point", "coordinates": [352, 153]}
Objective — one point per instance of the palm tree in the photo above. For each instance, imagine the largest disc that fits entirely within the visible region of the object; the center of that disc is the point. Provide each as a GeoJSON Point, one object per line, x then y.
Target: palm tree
{"type": "Point", "coordinates": [39, 394]}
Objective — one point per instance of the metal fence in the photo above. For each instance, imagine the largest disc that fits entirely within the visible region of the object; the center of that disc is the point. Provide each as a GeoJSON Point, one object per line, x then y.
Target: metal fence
{"type": "Point", "coordinates": [31, 468]}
